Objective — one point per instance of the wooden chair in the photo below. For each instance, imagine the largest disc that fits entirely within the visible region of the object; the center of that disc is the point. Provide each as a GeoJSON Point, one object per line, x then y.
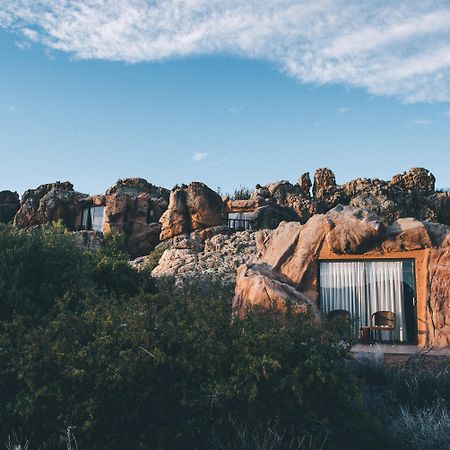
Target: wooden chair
{"type": "Point", "coordinates": [383, 321]}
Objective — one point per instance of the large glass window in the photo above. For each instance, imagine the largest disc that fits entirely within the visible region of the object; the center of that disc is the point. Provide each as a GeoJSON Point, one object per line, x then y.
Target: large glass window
{"type": "Point", "coordinates": [365, 287]}
{"type": "Point", "coordinates": [240, 220]}
{"type": "Point", "coordinates": [92, 218]}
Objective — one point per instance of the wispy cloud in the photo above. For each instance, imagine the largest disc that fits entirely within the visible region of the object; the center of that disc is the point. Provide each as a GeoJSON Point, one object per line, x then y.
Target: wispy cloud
{"type": "Point", "coordinates": [447, 114]}
{"type": "Point", "coordinates": [423, 122]}
{"type": "Point", "coordinates": [344, 110]}
{"type": "Point", "coordinates": [399, 48]}
{"type": "Point", "coordinates": [199, 156]}
{"type": "Point", "coordinates": [238, 108]}
{"type": "Point", "coordinates": [14, 109]}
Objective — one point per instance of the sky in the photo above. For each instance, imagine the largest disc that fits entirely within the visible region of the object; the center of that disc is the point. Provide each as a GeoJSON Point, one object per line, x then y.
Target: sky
{"type": "Point", "coordinates": [231, 93]}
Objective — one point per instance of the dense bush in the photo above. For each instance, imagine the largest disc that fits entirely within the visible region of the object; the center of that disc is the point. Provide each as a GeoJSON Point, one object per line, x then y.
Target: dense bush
{"type": "Point", "coordinates": [88, 344]}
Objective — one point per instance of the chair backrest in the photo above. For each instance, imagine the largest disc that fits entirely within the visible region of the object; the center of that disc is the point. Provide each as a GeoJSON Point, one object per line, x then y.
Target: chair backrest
{"type": "Point", "coordinates": [383, 318]}
{"type": "Point", "coordinates": [341, 314]}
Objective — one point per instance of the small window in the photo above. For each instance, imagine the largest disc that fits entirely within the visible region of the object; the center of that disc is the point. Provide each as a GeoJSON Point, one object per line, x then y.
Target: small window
{"type": "Point", "coordinates": [240, 220]}
{"type": "Point", "coordinates": [92, 218]}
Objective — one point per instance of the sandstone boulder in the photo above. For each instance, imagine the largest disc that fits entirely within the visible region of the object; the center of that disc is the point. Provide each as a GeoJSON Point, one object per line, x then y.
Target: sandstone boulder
{"type": "Point", "coordinates": [9, 205]}
{"type": "Point", "coordinates": [50, 202]}
{"type": "Point", "coordinates": [191, 208]}
{"type": "Point", "coordinates": [416, 179]}
{"type": "Point", "coordinates": [188, 257]}
{"type": "Point", "coordinates": [133, 207]}
{"type": "Point", "coordinates": [354, 230]}
{"type": "Point", "coordinates": [286, 265]}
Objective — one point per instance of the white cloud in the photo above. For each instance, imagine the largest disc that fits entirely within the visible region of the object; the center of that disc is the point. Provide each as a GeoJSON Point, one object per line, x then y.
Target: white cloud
{"type": "Point", "coordinates": [199, 156]}
{"type": "Point", "coordinates": [14, 109]}
{"type": "Point", "coordinates": [397, 48]}
{"type": "Point", "coordinates": [423, 122]}
{"type": "Point", "coordinates": [344, 110]}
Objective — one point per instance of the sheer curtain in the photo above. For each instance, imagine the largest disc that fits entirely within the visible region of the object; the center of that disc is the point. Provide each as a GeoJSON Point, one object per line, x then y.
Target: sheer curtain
{"type": "Point", "coordinates": [384, 287]}
{"type": "Point", "coordinates": [342, 286]}
{"type": "Point", "coordinates": [363, 288]}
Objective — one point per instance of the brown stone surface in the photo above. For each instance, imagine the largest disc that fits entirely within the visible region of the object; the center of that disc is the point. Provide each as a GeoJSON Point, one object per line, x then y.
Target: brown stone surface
{"type": "Point", "coordinates": [191, 208]}
{"type": "Point", "coordinates": [354, 230]}
{"type": "Point", "coordinates": [9, 205]}
{"type": "Point", "coordinates": [439, 296]}
{"type": "Point", "coordinates": [286, 266]}
{"type": "Point", "coordinates": [416, 179]}
{"type": "Point", "coordinates": [133, 207]}
{"type": "Point", "coordinates": [50, 202]}
{"type": "Point", "coordinates": [410, 194]}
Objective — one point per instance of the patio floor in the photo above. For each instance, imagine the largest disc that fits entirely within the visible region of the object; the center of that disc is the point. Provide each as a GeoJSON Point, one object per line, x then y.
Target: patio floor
{"type": "Point", "coordinates": [398, 353]}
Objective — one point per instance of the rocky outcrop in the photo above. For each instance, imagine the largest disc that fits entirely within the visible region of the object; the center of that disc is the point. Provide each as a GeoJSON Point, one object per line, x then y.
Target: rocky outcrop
{"type": "Point", "coordinates": [188, 257]}
{"type": "Point", "coordinates": [134, 206]}
{"type": "Point", "coordinates": [9, 205]}
{"type": "Point", "coordinates": [410, 194]}
{"type": "Point", "coordinates": [191, 208]}
{"type": "Point", "coordinates": [285, 268]}
{"type": "Point", "coordinates": [50, 202]}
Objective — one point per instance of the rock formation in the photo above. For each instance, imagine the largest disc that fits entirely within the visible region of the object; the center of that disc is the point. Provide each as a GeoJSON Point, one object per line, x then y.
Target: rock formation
{"type": "Point", "coordinates": [50, 202]}
{"type": "Point", "coordinates": [286, 266]}
{"type": "Point", "coordinates": [9, 205]}
{"type": "Point", "coordinates": [410, 194]}
{"type": "Point", "coordinates": [133, 207]}
{"type": "Point", "coordinates": [188, 257]}
{"type": "Point", "coordinates": [191, 208]}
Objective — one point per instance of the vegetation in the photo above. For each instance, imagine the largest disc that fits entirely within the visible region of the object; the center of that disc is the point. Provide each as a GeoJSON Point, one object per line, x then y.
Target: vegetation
{"type": "Point", "coordinates": [242, 193]}
{"type": "Point", "coordinates": [95, 355]}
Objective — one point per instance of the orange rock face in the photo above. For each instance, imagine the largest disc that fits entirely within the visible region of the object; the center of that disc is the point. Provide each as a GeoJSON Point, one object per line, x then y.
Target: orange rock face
{"type": "Point", "coordinates": [191, 208]}
{"type": "Point", "coordinates": [133, 207]}
{"type": "Point", "coordinates": [286, 268]}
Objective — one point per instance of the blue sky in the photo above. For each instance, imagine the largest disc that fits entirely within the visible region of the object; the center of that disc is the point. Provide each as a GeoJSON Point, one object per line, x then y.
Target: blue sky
{"type": "Point", "coordinates": [217, 108]}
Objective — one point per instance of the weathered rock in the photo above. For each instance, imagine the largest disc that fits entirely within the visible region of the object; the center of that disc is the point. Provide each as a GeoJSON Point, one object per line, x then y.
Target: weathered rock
{"type": "Point", "coordinates": [325, 191]}
{"type": "Point", "coordinates": [406, 234]}
{"type": "Point", "coordinates": [269, 216]}
{"type": "Point", "coordinates": [191, 208]}
{"type": "Point", "coordinates": [417, 179]}
{"type": "Point", "coordinates": [286, 264]}
{"type": "Point", "coordinates": [9, 205]}
{"type": "Point", "coordinates": [253, 283]}
{"type": "Point", "coordinates": [218, 257]}
{"type": "Point", "coordinates": [133, 207]}
{"type": "Point", "coordinates": [305, 184]}
{"type": "Point", "coordinates": [354, 231]}
{"type": "Point", "coordinates": [440, 204]}
{"type": "Point", "coordinates": [50, 202]}
{"type": "Point", "coordinates": [410, 194]}
{"type": "Point", "coordinates": [439, 295]}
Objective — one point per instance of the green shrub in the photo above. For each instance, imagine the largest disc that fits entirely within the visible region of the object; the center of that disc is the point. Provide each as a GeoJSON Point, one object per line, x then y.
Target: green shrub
{"type": "Point", "coordinates": [88, 344]}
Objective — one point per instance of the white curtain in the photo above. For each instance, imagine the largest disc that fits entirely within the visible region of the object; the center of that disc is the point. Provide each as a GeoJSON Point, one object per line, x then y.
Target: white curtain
{"type": "Point", "coordinates": [92, 218]}
{"type": "Point", "coordinates": [384, 287]}
{"type": "Point", "coordinates": [342, 286]}
{"type": "Point", "coordinates": [363, 288]}
{"type": "Point", "coordinates": [97, 217]}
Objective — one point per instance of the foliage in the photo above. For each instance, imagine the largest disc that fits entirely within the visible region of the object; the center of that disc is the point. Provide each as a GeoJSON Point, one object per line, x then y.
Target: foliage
{"type": "Point", "coordinates": [241, 193]}
{"type": "Point", "coordinates": [153, 258]}
{"type": "Point", "coordinates": [87, 345]}
{"type": "Point", "coordinates": [411, 401]}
